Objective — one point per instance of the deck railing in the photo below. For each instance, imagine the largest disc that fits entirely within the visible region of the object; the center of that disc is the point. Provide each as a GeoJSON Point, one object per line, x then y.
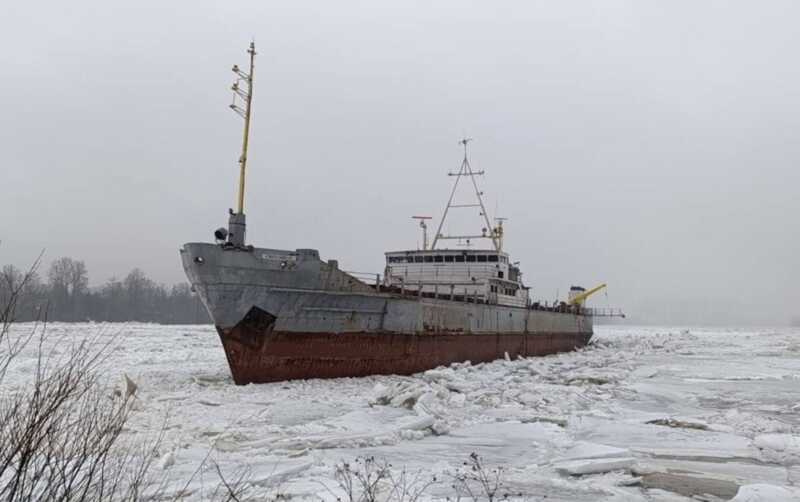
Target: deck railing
{"type": "Point", "coordinates": [604, 312]}
{"type": "Point", "coordinates": [451, 293]}
{"type": "Point", "coordinates": [366, 277]}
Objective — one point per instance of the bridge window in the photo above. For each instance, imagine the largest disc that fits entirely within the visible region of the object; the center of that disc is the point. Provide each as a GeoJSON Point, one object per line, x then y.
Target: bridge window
{"type": "Point", "coordinates": [449, 258]}
{"type": "Point", "coordinates": [429, 259]}
{"type": "Point", "coordinates": [460, 259]}
{"type": "Point", "coordinates": [470, 258]}
{"type": "Point", "coordinates": [481, 258]}
{"type": "Point", "coordinates": [493, 258]}
{"type": "Point", "coordinates": [438, 258]}
{"type": "Point", "coordinates": [417, 259]}
{"type": "Point", "coordinates": [409, 259]}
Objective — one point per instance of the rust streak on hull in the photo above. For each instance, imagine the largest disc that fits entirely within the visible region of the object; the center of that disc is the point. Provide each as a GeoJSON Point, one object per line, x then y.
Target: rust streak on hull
{"type": "Point", "coordinates": [258, 355]}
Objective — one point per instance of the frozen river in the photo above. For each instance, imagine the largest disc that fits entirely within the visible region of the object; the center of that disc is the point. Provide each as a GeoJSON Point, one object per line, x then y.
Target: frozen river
{"type": "Point", "coordinates": [656, 414]}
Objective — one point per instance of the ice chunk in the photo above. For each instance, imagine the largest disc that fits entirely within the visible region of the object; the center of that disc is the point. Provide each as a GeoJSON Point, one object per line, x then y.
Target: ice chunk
{"type": "Point", "coordinates": [587, 450]}
{"type": "Point", "coordinates": [679, 424]}
{"type": "Point", "coordinates": [381, 394]}
{"type": "Point", "coordinates": [411, 435]}
{"type": "Point", "coordinates": [130, 386]}
{"type": "Point", "coordinates": [561, 422]}
{"type": "Point", "coordinates": [766, 493]}
{"type": "Point", "coordinates": [438, 374]}
{"type": "Point", "coordinates": [457, 400]}
{"type": "Point", "coordinates": [408, 398]}
{"type": "Point", "coordinates": [420, 423]}
{"type": "Point", "coordinates": [783, 448]}
{"type": "Point", "coordinates": [594, 466]}
{"type": "Point", "coordinates": [440, 428]}
{"type": "Point", "coordinates": [167, 460]}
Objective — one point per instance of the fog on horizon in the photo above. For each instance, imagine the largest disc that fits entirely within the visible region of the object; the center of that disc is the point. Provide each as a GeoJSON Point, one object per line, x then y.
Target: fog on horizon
{"type": "Point", "coordinates": [653, 146]}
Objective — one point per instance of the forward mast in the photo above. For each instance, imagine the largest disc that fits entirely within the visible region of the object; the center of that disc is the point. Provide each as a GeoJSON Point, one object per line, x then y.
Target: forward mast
{"type": "Point", "coordinates": [242, 104]}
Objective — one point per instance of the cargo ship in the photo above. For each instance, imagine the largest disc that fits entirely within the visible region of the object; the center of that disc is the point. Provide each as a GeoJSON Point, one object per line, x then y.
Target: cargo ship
{"type": "Point", "coordinates": [288, 314]}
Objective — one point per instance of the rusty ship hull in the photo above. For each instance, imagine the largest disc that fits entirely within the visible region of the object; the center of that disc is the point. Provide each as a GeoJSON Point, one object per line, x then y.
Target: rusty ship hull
{"type": "Point", "coordinates": [259, 356]}
{"type": "Point", "coordinates": [285, 315]}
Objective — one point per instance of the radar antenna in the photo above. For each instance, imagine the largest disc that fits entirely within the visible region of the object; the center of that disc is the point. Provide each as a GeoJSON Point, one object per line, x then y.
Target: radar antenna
{"type": "Point", "coordinates": [495, 234]}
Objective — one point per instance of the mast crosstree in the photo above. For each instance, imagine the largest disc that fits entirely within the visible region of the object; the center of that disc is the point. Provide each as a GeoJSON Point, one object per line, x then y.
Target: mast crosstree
{"type": "Point", "coordinates": [489, 232]}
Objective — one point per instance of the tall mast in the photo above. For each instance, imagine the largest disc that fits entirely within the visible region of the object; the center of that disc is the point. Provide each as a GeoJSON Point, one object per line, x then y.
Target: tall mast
{"type": "Point", "coordinates": [247, 96]}
{"type": "Point", "coordinates": [466, 170]}
{"type": "Point", "coordinates": [236, 221]}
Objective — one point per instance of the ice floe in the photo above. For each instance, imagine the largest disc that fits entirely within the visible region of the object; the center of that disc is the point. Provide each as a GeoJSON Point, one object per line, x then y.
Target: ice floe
{"type": "Point", "coordinates": [722, 407]}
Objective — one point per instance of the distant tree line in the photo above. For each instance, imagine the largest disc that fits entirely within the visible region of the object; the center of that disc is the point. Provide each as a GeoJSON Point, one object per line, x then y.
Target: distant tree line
{"type": "Point", "coordinates": [65, 295]}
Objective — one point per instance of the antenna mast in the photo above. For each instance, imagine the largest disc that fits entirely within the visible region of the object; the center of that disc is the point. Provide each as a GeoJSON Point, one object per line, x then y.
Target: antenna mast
{"type": "Point", "coordinates": [495, 234]}
{"type": "Point", "coordinates": [236, 221]}
{"type": "Point", "coordinates": [424, 227]}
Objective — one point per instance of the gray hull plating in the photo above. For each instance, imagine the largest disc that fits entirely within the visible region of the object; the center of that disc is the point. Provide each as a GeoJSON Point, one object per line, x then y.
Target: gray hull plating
{"type": "Point", "coordinates": [307, 295]}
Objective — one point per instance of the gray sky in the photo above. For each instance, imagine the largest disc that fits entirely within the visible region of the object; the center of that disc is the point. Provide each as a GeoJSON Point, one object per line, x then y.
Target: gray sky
{"type": "Point", "coordinates": [654, 145]}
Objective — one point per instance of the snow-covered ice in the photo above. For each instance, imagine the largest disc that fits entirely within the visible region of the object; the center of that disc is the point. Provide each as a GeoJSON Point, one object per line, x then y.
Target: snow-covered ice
{"type": "Point", "coordinates": [766, 493]}
{"type": "Point", "coordinates": [723, 407]}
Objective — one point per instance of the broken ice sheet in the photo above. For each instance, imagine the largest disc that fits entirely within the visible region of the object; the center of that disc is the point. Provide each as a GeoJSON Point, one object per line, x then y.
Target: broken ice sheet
{"type": "Point", "coordinates": [527, 415]}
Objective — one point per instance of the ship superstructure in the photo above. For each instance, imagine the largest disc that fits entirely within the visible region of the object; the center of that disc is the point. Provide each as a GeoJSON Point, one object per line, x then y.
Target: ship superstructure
{"type": "Point", "coordinates": [480, 275]}
{"type": "Point", "coordinates": [286, 314]}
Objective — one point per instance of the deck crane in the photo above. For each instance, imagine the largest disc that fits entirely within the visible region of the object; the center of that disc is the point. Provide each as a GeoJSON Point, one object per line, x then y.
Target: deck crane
{"type": "Point", "coordinates": [578, 296]}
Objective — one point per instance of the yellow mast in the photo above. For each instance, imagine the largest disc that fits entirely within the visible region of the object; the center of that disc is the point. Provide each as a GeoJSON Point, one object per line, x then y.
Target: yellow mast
{"type": "Point", "coordinates": [247, 96]}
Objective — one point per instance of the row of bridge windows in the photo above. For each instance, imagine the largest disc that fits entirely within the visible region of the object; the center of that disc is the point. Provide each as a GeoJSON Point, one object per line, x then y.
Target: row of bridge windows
{"type": "Point", "coordinates": [460, 258]}
{"type": "Point", "coordinates": [505, 291]}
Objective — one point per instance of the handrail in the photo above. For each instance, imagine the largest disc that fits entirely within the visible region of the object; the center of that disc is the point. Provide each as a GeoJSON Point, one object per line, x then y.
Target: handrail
{"type": "Point", "coordinates": [365, 277]}
{"type": "Point", "coordinates": [604, 312]}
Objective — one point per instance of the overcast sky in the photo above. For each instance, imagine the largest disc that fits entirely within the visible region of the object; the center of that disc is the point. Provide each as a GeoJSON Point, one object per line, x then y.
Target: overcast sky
{"type": "Point", "coordinates": [653, 145]}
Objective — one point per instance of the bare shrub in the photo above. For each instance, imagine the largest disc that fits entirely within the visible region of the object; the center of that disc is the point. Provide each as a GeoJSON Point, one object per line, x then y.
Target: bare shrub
{"type": "Point", "coordinates": [409, 487]}
{"type": "Point", "coordinates": [60, 428]}
{"type": "Point", "coordinates": [239, 487]}
{"type": "Point", "coordinates": [477, 482]}
{"type": "Point", "coordinates": [12, 288]}
{"type": "Point", "coordinates": [369, 480]}
{"type": "Point", "coordinates": [364, 480]}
